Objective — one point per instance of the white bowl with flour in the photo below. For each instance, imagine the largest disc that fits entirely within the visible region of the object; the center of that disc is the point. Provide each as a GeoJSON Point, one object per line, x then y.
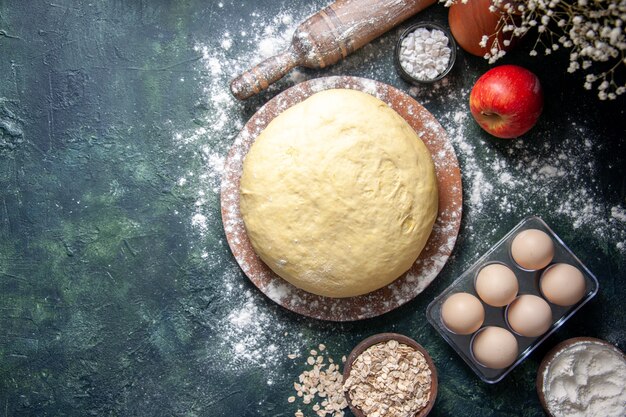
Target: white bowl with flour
{"type": "Point", "coordinates": [583, 377]}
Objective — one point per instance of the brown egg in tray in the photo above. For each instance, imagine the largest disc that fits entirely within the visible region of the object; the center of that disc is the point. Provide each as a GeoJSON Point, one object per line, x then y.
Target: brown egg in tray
{"type": "Point", "coordinates": [432, 258]}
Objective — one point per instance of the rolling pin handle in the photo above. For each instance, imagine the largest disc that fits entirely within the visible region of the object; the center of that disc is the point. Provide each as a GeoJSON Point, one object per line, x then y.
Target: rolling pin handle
{"type": "Point", "coordinates": [263, 75]}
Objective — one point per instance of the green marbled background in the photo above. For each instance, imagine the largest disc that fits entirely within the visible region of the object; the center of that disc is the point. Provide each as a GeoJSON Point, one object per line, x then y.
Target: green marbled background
{"type": "Point", "coordinates": [112, 302]}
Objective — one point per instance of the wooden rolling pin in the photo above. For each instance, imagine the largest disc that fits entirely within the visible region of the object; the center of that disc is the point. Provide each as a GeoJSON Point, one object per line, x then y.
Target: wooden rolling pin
{"type": "Point", "coordinates": [326, 37]}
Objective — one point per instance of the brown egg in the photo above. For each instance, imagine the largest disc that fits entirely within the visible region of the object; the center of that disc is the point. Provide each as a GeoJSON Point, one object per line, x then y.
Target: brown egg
{"type": "Point", "coordinates": [495, 347]}
{"type": "Point", "coordinates": [532, 249]}
{"type": "Point", "coordinates": [462, 313]}
{"type": "Point", "coordinates": [563, 284]}
{"type": "Point", "coordinates": [529, 315]}
{"type": "Point", "coordinates": [496, 285]}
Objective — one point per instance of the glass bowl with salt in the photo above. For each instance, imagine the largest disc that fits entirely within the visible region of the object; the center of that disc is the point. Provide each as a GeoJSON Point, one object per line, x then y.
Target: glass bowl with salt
{"type": "Point", "coordinates": [425, 53]}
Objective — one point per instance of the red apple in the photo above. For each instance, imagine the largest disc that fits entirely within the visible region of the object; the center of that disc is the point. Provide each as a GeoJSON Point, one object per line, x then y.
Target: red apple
{"type": "Point", "coordinates": [507, 101]}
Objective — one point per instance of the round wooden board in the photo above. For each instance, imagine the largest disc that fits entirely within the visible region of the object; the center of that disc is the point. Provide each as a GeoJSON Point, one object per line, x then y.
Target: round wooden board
{"type": "Point", "coordinates": [426, 267]}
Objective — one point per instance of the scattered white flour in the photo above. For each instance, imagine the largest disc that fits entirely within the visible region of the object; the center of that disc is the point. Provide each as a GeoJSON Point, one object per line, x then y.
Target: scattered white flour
{"type": "Point", "coordinates": [553, 178]}
{"type": "Point", "coordinates": [226, 43]}
{"type": "Point", "coordinates": [618, 213]}
{"type": "Point", "coordinates": [253, 335]}
{"type": "Point", "coordinates": [199, 221]}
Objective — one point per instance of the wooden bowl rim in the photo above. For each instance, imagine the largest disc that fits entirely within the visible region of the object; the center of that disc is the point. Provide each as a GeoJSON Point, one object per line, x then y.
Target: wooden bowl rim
{"type": "Point", "coordinates": [552, 354]}
{"type": "Point", "coordinates": [381, 338]}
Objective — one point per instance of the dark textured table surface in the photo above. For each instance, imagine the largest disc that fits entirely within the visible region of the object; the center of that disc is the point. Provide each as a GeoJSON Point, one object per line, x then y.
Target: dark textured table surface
{"type": "Point", "coordinates": [119, 295]}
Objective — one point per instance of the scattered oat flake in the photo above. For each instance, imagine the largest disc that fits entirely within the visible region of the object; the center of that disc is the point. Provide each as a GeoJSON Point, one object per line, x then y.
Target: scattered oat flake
{"type": "Point", "coordinates": [321, 386]}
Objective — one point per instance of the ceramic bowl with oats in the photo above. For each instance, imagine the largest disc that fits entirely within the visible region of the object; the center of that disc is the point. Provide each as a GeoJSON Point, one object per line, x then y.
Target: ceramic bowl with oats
{"type": "Point", "coordinates": [390, 374]}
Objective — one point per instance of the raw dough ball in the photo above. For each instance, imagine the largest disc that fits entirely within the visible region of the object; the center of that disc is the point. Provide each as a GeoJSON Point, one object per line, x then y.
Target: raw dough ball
{"type": "Point", "coordinates": [339, 194]}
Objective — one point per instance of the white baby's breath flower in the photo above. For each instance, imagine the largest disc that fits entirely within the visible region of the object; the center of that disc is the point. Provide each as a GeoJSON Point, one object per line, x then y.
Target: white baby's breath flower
{"type": "Point", "coordinates": [615, 35]}
{"type": "Point", "coordinates": [592, 31]}
{"type": "Point", "coordinates": [605, 31]}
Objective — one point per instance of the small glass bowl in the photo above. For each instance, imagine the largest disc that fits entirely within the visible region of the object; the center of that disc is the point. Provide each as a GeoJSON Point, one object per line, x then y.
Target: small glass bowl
{"type": "Point", "coordinates": [430, 26]}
